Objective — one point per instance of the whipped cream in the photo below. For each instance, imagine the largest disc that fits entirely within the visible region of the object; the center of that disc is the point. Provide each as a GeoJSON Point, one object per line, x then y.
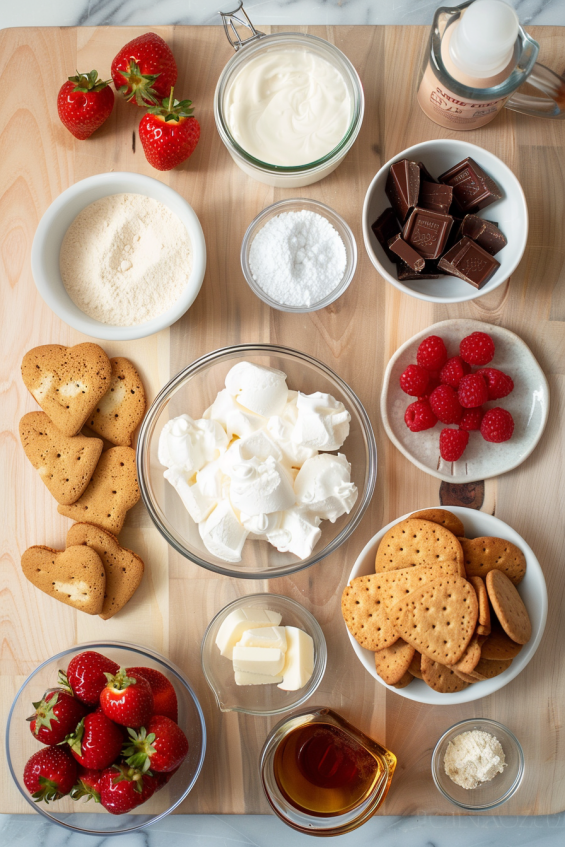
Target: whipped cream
{"type": "Point", "coordinates": [288, 107]}
{"type": "Point", "coordinates": [251, 467]}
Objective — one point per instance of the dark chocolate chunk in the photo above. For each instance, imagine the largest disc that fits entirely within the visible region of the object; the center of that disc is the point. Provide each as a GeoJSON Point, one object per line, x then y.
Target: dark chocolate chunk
{"type": "Point", "coordinates": [402, 187]}
{"type": "Point", "coordinates": [427, 232]}
{"type": "Point", "coordinates": [405, 272]}
{"type": "Point", "coordinates": [468, 261]}
{"type": "Point", "coordinates": [473, 189]}
{"type": "Point", "coordinates": [425, 174]}
{"type": "Point", "coordinates": [406, 253]}
{"type": "Point", "coordinates": [485, 233]}
{"type": "Point", "coordinates": [435, 197]}
{"type": "Point", "coordinates": [385, 228]}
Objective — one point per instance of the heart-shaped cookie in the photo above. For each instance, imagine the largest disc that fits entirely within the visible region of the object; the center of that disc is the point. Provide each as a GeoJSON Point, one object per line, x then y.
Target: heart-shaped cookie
{"type": "Point", "coordinates": [67, 382]}
{"type": "Point", "coordinates": [124, 569]}
{"type": "Point", "coordinates": [112, 490]}
{"type": "Point", "coordinates": [74, 576]}
{"type": "Point", "coordinates": [117, 414]}
{"type": "Point", "coordinates": [65, 464]}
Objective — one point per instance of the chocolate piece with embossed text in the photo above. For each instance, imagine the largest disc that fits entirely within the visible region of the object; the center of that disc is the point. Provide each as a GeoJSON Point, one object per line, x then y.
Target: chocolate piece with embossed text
{"type": "Point", "coordinates": [437, 197]}
{"type": "Point", "coordinates": [468, 261]}
{"type": "Point", "coordinates": [485, 233]}
{"type": "Point", "coordinates": [473, 189]}
{"type": "Point", "coordinates": [427, 232]}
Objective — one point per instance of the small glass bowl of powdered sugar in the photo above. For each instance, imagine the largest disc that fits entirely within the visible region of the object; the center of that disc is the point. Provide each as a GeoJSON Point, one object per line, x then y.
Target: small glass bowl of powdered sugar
{"type": "Point", "coordinates": [298, 255]}
{"type": "Point", "coordinates": [478, 764]}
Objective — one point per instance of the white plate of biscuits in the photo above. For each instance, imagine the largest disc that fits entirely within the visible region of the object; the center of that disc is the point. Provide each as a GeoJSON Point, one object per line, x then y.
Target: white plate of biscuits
{"type": "Point", "coordinates": [445, 606]}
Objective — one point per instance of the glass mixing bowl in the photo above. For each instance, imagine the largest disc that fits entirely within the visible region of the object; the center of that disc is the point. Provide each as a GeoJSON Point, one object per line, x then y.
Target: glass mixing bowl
{"type": "Point", "coordinates": [194, 389]}
{"type": "Point", "coordinates": [87, 817]}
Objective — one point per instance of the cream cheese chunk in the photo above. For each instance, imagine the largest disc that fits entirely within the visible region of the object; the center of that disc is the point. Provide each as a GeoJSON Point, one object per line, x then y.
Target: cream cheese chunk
{"type": "Point", "coordinates": [264, 660]}
{"type": "Point", "coordinates": [266, 636]}
{"type": "Point", "coordinates": [240, 621]}
{"type": "Point", "coordinates": [299, 659]}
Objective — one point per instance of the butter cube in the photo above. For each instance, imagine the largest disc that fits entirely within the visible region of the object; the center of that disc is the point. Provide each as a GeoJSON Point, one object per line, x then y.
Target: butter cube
{"type": "Point", "coordinates": [261, 660]}
{"type": "Point", "coordinates": [268, 636]}
{"type": "Point", "coordinates": [243, 678]}
{"type": "Point", "coordinates": [240, 620]}
{"type": "Point", "coordinates": [299, 659]}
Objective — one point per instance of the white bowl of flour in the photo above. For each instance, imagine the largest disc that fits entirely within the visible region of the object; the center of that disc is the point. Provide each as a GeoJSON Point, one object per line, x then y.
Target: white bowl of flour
{"type": "Point", "coordinates": [119, 256]}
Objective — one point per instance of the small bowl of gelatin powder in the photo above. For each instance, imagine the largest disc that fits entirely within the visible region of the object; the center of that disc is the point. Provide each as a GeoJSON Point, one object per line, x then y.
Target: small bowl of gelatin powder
{"type": "Point", "coordinates": [478, 764]}
{"type": "Point", "coordinates": [298, 255]}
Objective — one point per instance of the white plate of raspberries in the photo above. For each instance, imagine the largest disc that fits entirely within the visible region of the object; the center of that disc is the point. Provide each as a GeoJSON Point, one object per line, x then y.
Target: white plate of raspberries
{"type": "Point", "coordinates": [464, 400]}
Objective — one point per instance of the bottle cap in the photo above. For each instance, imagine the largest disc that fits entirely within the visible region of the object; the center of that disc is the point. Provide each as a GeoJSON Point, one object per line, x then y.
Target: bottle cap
{"type": "Point", "coordinates": [484, 38]}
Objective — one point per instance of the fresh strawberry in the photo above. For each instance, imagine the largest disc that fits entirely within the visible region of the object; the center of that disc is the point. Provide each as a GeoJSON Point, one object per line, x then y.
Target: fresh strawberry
{"type": "Point", "coordinates": [127, 699]}
{"type": "Point", "coordinates": [123, 788]}
{"type": "Point", "coordinates": [84, 102]}
{"type": "Point", "coordinates": [87, 784]}
{"type": "Point", "coordinates": [55, 716]}
{"type": "Point", "coordinates": [472, 391]}
{"type": "Point", "coordinates": [164, 695]}
{"type": "Point", "coordinates": [471, 419]}
{"type": "Point", "coordinates": [169, 133]}
{"type": "Point", "coordinates": [432, 353]}
{"type": "Point", "coordinates": [145, 69]}
{"type": "Point", "coordinates": [498, 383]}
{"type": "Point", "coordinates": [419, 416]}
{"type": "Point", "coordinates": [453, 371]}
{"type": "Point", "coordinates": [86, 676]}
{"type": "Point", "coordinates": [497, 425]}
{"type": "Point", "coordinates": [414, 380]}
{"type": "Point", "coordinates": [50, 774]}
{"type": "Point", "coordinates": [445, 404]}
{"type": "Point", "coordinates": [477, 348]}
{"type": "Point", "coordinates": [96, 742]}
{"type": "Point", "coordinates": [452, 443]}
{"type": "Point", "coordinates": [161, 747]}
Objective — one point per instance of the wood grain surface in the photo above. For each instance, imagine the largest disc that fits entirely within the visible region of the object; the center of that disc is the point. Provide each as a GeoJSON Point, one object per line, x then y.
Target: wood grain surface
{"type": "Point", "coordinates": [355, 336]}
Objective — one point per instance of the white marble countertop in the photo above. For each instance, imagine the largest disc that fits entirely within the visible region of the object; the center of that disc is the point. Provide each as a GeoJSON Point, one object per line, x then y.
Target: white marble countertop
{"type": "Point", "coordinates": [262, 830]}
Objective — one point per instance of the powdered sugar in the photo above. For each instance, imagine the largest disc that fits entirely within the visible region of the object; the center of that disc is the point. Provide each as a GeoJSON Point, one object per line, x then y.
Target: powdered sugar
{"type": "Point", "coordinates": [298, 258]}
{"type": "Point", "coordinates": [125, 259]}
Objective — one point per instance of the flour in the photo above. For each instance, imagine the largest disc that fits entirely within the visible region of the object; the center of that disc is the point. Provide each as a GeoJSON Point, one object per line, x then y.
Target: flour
{"type": "Point", "coordinates": [125, 259]}
{"type": "Point", "coordinates": [297, 258]}
{"type": "Point", "coordinates": [473, 758]}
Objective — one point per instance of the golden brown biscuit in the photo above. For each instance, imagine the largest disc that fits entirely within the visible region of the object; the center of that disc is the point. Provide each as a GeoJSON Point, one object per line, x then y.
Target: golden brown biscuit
{"type": "Point", "coordinates": [365, 615]}
{"type": "Point", "coordinates": [443, 517]}
{"type": "Point", "coordinates": [509, 607]}
{"type": "Point", "coordinates": [406, 680]}
{"type": "Point", "coordinates": [74, 576]}
{"type": "Point", "coordinates": [487, 669]}
{"type": "Point", "coordinates": [417, 542]}
{"type": "Point", "coordinates": [470, 658]}
{"type": "Point", "coordinates": [482, 555]}
{"type": "Point", "coordinates": [391, 663]}
{"type": "Point", "coordinates": [499, 646]}
{"type": "Point", "coordinates": [119, 412]}
{"type": "Point", "coordinates": [441, 678]}
{"type": "Point", "coordinates": [484, 624]}
{"type": "Point", "coordinates": [67, 382]}
{"type": "Point", "coordinates": [416, 665]}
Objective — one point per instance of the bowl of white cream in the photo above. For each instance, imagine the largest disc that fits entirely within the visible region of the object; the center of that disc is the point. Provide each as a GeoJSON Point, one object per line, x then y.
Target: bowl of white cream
{"type": "Point", "coordinates": [288, 107]}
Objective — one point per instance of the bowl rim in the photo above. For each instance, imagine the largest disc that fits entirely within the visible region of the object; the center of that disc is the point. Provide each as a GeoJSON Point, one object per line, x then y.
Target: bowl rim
{"type": "Point", "coordinates": [332, 217]}
{"type": "Point", "coordinates": [415, 151]}
{"type": "Point", "coordinates": [102, 644]}
{"type": "Point", "coordinates": [138, 184]}
{"type": "Point", "coordinates": [481, 807]}
{"type": "Point", "coordinates": [473, 692]}
{"type": "Point", "coordinates": [478, 326]}
{"type": "Point", "coordinates": [319, 667]}
{"type": "Point", "coordinates": [239, 351]}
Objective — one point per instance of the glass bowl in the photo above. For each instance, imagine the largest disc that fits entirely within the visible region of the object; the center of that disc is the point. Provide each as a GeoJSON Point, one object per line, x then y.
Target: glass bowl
{"type": "Point", "coordinates": [90, 818]}
{"type": "Point", "coordinates": [191, 391]}
{"type": "Point", "coordinates": [298, 205]}
{"type": "Point", "coordinates": [261, 699]}
{"type": "Point", "coordinates": [491, 794]}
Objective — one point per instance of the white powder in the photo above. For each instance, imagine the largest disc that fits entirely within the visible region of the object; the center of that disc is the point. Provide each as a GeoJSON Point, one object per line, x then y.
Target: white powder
{"type": "Point", "coordinates": [473, 758]}
{"type": "Point", "coordinates": [297, 258]}
{"type": "Point", "coordinates": [125, 259]}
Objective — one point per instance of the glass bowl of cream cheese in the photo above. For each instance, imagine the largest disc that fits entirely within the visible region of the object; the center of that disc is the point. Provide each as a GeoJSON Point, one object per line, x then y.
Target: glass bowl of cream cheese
{"type": "Point", "coordinates": [256, 461]}
{"type": "Point", "coordinates": [288, 107]}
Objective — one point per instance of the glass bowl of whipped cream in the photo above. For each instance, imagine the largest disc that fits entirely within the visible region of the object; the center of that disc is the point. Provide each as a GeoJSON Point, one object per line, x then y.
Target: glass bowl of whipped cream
{"type": "Point", "coordinates": [288, 107]}
{"type": "Point", "coordinates": [256, 461]}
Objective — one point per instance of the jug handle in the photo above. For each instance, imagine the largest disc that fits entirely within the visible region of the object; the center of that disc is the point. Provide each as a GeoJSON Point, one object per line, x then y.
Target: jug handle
{"type": "Point", "coordinates": [550, 84]}
{"type": "Point", "coordinates": [230, 19]}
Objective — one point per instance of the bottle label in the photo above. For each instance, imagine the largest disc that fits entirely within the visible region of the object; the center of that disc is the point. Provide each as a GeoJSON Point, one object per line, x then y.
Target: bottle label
{"type": "Point", "coordinates": [446, 108]}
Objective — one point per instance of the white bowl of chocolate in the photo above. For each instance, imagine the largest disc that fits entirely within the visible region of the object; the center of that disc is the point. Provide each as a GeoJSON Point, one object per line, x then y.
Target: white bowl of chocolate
{"type": "Point", "coordinates": [445, 221]}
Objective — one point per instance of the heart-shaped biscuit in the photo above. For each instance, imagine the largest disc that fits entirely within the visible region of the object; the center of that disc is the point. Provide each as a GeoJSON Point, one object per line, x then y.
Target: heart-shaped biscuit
{"type": "Point", "coordinates": [67, 382]}
{"type": "Point", "coordinates": [482, 555]}
{"type": "Point", "coordinates": [112, 490]}
{"type": "Point", "coordinates": [74, 576]}
{"type": "Point", "coordinates": [124, 569]}
{"type": "Point", "coordinates": [118, 413]}
{"type": "Point", "coordinates": [65, 464]}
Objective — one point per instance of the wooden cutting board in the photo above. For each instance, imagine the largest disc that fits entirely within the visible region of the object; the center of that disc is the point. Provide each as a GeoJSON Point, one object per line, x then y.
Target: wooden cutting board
{"type": "Point", "coordinates": [355, 336]}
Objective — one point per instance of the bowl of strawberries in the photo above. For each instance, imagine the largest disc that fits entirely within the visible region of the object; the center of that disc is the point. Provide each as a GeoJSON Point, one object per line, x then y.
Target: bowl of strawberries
{"type": "Point", "coordinates": [105, 738]}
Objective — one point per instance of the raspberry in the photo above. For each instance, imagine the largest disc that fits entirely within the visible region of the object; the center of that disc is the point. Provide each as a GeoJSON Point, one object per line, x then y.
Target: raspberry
{"type": "Point", "coordinates": [497, 425]}
{"type": "Point", "coordinates": [477, 348]}
{"type": "Point", "coordinates": [414, 380]}
{"type": "Point", "coordinates": [419, 416]}
{"type": "Point", "coordinates": [452, 443]}
{"type": "Point", "coordinates": [453, 371]}
{"type": "Point", "coordinates": [472, 391]}
{"type": "Point", "coordinates": [471, 419]}
{"type": "Point", "coordinates": [498, 383]}
{"type": "Point", "coordinates": [432, 354]}
{"type": "Point", "coordinates": [431, 386]}
{"type": "Point", "coordinates": [445, 404]}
